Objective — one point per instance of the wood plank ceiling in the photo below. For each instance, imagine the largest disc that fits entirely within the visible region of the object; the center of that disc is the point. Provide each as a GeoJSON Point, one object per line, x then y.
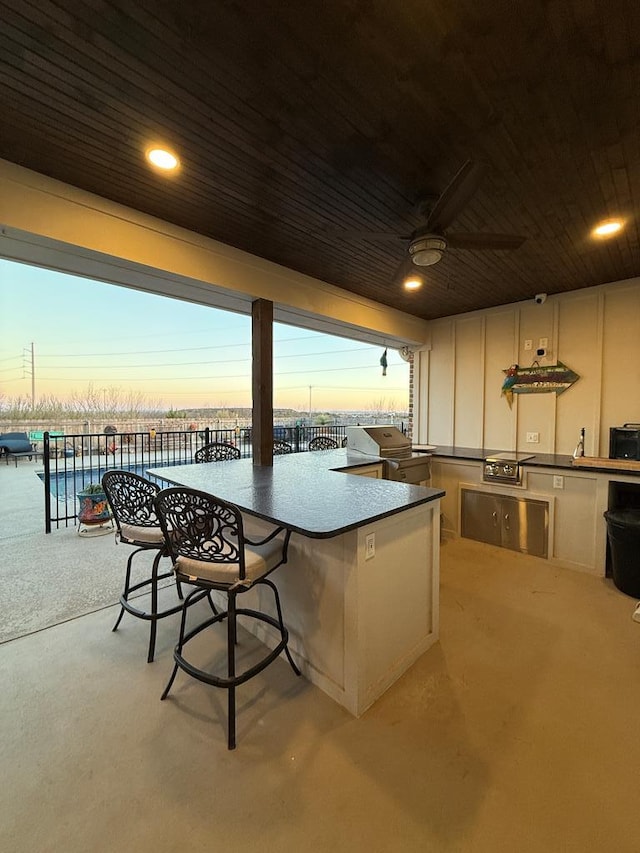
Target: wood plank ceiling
{"type": "Point", "coordinates": [309, 131]}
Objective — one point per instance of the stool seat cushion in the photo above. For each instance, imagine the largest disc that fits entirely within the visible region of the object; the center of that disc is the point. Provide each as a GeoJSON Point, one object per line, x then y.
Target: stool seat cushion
{"type": "Point", "coordinates": [146, 535]}
{"type": "Point", "coordinates": [259, 560]}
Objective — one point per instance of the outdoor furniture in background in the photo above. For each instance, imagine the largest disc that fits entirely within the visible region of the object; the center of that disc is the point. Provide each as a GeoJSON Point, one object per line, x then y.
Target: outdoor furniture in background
{"type": "Point", "coordinates": [17, 445]}
{"type": "Point", "coordinates": [323, 442]}
{"type": "Point", "coordinates": [130, 498]}
{"type": "Point", "coordinates": [281, 447]}
{"type": "Point", "coordinates": [206, 540]}
{"type": "Point", "coordinates": [216, 452]}
{"type": "Point", "coordinates": [36, 437]}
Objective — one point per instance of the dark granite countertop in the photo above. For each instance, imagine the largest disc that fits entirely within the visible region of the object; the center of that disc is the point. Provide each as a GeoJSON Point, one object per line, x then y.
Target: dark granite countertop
{"type": "Point", "coordinates": [538, 460]}
{"type": "Point", "coordinates": [306, 492]}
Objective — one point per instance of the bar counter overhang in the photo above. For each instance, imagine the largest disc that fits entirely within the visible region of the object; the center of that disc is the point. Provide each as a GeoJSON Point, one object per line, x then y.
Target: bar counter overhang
{"type": "Point", "coordinates": [356, 624]}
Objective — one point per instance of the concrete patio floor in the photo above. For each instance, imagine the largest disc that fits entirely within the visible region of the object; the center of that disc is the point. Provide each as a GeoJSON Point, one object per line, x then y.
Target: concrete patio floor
{"type": "Point", "coordinates": [516, 732]}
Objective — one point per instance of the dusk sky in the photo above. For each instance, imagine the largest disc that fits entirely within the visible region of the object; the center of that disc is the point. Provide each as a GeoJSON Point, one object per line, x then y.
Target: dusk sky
{"type": "Point", "coordinates": [178, 355]}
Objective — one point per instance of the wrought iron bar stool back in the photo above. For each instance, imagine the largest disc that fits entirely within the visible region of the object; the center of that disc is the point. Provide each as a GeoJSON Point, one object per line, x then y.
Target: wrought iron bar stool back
{"type": "Point", "coordinates": [323, 442]}
{"type": "Point", "coordinates": [209, 549]}
{"type": "Point", "coordinates": [281, 447]}
{"type": "Point", "coordinates": [217, 451]}
{"type": "Point", "coordinates": [130, 498]}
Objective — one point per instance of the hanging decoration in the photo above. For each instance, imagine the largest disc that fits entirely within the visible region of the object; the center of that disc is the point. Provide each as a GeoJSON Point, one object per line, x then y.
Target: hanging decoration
{"type": "Point", "coordinates": [383, 362]}
{"type": "Point", "coordinates": [537, 380]}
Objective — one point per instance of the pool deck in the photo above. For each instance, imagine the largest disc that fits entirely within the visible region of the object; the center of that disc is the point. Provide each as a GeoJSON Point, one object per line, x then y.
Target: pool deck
{"type": "Point", "coordinates": [21, 498]}
{"type": "Point", "coordinates": [50, 578]}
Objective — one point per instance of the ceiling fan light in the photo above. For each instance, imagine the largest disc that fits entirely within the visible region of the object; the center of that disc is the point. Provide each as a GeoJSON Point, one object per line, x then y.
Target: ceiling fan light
{"type": "Point", "coordinates": [426, 251]}
{"type": "Point", "coordinates": [412, 282]}
{"type": "Point", "coordinates": [426, 257]}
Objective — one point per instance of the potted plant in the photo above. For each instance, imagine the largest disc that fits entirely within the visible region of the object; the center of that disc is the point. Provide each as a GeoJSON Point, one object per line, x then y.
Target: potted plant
{"type": "Point", "coordinates": [94, 508]}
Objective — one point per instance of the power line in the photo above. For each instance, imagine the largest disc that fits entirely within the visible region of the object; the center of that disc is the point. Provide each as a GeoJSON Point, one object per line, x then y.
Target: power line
{"type": "Point", "coordinates": [338, 388]}
{"type": "Point", "coordinates": [223, 376]}
{"type": "Point", "coordinates": [246, 344]}
{"type": "Point", "coordinates": [189, 363]}
{"type": "Point", "coordinates": [223, 392]}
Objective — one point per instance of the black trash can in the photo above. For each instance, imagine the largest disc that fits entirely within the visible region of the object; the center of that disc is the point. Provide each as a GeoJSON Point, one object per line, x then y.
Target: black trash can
{"type": "Point", "coordinates": [623, 530]}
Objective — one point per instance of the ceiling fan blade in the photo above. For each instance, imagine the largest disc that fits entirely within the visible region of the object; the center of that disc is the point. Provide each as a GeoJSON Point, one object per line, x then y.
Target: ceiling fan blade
{"type": "Point", "coordinates": [456, 196]}
{"type": "Point", "coordinates": [377, 235]}
{"type": "Point", "coordinates": [484, 241]}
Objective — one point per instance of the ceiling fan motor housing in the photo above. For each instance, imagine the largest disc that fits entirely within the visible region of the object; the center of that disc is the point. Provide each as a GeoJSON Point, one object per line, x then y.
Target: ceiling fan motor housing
{"type": "Point", "coordinates": [427, 250]}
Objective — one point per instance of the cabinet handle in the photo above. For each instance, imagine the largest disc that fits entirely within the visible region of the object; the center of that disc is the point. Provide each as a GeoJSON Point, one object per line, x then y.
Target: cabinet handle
{"type": "Point", "coordinates": [506, 519]}
{"type": "Point", "coordinates": [495, 518]}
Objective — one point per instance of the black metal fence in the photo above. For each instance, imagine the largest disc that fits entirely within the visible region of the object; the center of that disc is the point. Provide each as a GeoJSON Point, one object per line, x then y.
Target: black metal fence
{"type": "Point", "coordinates": [72, 462]}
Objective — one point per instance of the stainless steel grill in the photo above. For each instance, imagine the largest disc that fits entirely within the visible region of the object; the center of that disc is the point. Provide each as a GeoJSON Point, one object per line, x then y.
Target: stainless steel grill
{"type": "Point", "coordinates": [388, 443]}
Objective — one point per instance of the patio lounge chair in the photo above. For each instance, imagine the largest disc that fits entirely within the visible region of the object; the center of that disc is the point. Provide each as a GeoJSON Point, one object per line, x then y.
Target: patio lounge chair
{"type": "Point", "coordinates": [16, 445]}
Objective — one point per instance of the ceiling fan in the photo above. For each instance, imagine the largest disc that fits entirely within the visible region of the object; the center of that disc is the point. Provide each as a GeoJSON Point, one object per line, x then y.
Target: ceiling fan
{"type": "Point", "coordinates": [430, 240]}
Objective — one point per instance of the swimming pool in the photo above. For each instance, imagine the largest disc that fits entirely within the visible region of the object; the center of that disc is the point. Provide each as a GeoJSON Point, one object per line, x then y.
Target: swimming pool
{"type": "Point", "coordinates": [65, 484]}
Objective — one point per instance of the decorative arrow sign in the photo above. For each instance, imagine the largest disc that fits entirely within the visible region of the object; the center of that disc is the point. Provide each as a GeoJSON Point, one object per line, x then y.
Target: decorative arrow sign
{"type": "Point", "coordinates": [537, 380]}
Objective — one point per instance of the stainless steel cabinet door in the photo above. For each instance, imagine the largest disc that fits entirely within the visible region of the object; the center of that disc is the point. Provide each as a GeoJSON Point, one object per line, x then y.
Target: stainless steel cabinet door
{"type": "Point", "coordinates": [481, 517]}
{"type": "Point", "coordinates": [525, 524]}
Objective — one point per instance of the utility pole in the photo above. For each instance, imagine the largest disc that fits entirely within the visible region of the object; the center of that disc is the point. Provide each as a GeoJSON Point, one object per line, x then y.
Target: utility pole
{"type": "Point", "coordinates": [33, 372]}
{"type": "Point", "coordinates": [310, 387]}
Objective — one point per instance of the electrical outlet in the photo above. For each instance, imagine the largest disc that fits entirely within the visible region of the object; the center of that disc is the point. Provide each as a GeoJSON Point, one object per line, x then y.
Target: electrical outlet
{"type": "Point", "coordinates": [370, 546]}
{"type": "Point", "coordinates": [558, 481]}
{"type": "Point", "coordinates": [533, 437]}
{"type": "Point", "coordinates": [528, 344]}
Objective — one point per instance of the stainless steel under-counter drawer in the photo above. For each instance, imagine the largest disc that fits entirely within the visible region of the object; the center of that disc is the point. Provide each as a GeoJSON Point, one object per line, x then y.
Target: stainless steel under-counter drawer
{"type": "Point", "coordinates": [521, 524]}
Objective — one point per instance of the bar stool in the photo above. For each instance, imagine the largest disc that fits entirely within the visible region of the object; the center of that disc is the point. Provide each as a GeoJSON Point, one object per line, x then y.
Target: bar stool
{"type": "Point", "coordinates": [281, 447]}
{"type": "Point", "coordinates": [206, 540]}
{"type": "Point", "coordinates": [130, 497]}
{"type": "Point", "coordinates": [216, 451]}
{"type": "Point", "coordinates": [323, 442]}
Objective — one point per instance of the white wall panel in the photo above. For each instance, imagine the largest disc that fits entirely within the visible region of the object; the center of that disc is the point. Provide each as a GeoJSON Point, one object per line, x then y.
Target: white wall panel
{"type": "Point", "coordinates": [441, 383]}
{"type": "Point", "coordinates": [536, 413]}
{"type": "Point", "coordinates": [580, 348]}
{"type": "Point", "coordinates": [469, 382]}
{"type": "Point", "coordinates": [620, 361]}
{"type": "Point", "coordinates": [499, 419]}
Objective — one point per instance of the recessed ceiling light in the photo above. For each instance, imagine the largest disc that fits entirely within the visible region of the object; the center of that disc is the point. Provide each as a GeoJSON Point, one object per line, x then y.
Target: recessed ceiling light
{"type": "Point", "coordinates": [163, 159]}
{"type": "Point", "coordinates": [608, 228]}
{"type": "Point", "coordinates": [412, 283]}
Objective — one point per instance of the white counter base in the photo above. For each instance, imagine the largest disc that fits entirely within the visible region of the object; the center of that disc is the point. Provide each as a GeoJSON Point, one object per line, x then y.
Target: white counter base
{"type": "Point", "coordinates": [357, 625]}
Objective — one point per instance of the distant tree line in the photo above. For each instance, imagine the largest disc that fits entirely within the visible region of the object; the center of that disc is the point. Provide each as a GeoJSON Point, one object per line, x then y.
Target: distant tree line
{"type": "Point", "coordinates": [114, 403]}
{"type": "Point", "coordinates": [94, 403]}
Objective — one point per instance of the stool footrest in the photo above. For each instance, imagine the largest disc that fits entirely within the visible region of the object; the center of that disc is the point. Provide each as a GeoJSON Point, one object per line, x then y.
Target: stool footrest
{"type": "Point", "coordinates": [221, 681]}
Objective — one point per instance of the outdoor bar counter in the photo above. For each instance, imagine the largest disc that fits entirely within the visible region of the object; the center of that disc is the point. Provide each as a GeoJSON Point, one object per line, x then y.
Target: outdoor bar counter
{"type": "Point", "coordinates": [356, 624]}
